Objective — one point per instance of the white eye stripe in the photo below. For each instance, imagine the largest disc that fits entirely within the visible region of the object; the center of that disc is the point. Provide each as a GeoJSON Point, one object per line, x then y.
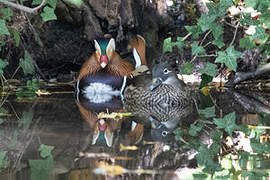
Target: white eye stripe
{"type": "Point", "coordinates": [97, 47]}
{"type": "Point", "coordinates": [166, 71]}
{"type": "Point", "coordinates": [111, 45]}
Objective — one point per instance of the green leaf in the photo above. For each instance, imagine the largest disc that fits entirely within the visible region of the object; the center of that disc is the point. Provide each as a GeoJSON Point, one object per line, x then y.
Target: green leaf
{"type": "Point", "coordinates": [3, 64]}
{"type": "Point", "coordinates": [195, 30]}
{"type": "Point", "coordinates": [205, 80]}
{"type": "Point", "coordinates": [208, 112]}
{"type": "Point", "coordinates": [265, 18]}
{"type": "Point", "coordinates": [260, 5]}
{"type": "Point", "coordinates": [217, 30]}
{"type": "Point", "coordinates": [16, 36]}
{"type": "Point", "coordinates": [197, 49]}
{"type": "Point", "coordinates": [77, 3]}
{"type": "Point", "coordinates": [227, 123]}
{"type": "Point", "coordinates": [247, 20]}
{"type": "Point", "coordinates": [218, 42]}
{"type": "Point", "coordinates": [52, 3]}
{"type": "Point", "coordinates": [14, 141]}
{"type": "Point", "coordinates": [45, 150]}
{"type": "Point", "coordinates": [224, 5]}
{"type": "Point", "coordinates": [247, 43]}
{"type": "Point", "coordinates": [3, 28]}
{"type": "Point", "coordinates": [187, 68]}
{"type": "Point", "coordinates": [229, 57]}
{"type": "Point", "coordinates": [205, 22]}
{"type": "Point", "coordinates": [4, 163]}
{"type": "Point", "coordinates": [48, 14]}
{"type": "Point", "coordinates": [1, 120]}
{"type": "Point", "coordinates": [7, 13]}
{"type": "Point", "coordinates": [209, 69]}
{"type": "Point", "coordinates": [260, 148]}
{"type": "Point", "coordinates": [26, 119]}
{"type": "Point", "coordinates": [251, 3]}
{"type": "Point", "coordinates": [260, 34]}
{"type": "Point", "coordinates": [27, 64]}
{"type": "Point", "coordinates": [36, 2]}
{"type": "Point", "coordinates": [205, 159]}
{"type": "Point", "coordinates": [180, 44]}
{"type": "Point", "coordinates": [243, 159]}
{"type": "Point", "coordinates": [195, 129]}
{"type": "Point", "coordinates": [41, 168]}
{"type": "Point", "coordinates": [167, 45]}
{"type": "Point", "coordinates": [179, 133]}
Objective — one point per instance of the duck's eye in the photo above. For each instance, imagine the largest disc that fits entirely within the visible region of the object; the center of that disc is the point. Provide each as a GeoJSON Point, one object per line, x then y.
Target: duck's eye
{"type": "Point", "coordinates": [166, 71]}
{"type": "Point", "coordinates": [164, 133]}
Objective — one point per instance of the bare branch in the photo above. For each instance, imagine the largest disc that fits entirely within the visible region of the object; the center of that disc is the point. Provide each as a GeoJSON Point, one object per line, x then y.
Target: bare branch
{"type": "Point", "coordinates": [21, 7]}
{"type": "Point", "coordinates": [235, 32]}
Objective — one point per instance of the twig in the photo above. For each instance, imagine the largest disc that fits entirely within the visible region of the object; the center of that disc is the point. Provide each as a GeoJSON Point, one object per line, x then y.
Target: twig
{"type": "Point", "coordinates": [205, 36]}
{"type": "Point", "coordinates": [15, 72]}
{"type": "Point", "coordinates": [184, 38]}
{"type": "Point", "coordinates": [235, 32]}
{"type": "Point", "coordinates": [208, 55]}
{"type": "Point", "coordinates": [21, 7]}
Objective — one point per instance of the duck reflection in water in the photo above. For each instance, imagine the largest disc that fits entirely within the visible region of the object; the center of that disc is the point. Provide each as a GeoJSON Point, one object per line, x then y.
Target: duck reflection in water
{"type": "Point", "coordinates": [160, 99]}
{"type": "Point", "coordinates": [100, 84]}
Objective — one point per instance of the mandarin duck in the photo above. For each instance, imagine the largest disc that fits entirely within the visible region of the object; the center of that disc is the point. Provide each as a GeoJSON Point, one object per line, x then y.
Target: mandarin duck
{"type": "Point", "coordinates": [105, 73]}
{"type": "Point", "coordinates": [160, 96]}
{"type": "Point", "coordinates": [103, 129]}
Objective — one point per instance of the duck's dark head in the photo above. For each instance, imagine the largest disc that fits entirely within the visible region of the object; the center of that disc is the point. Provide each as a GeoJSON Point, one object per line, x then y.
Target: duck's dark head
{"type": "Point", "coordinates": [104, 50]}
{"type": "Point", "coordinates": [163, 73]}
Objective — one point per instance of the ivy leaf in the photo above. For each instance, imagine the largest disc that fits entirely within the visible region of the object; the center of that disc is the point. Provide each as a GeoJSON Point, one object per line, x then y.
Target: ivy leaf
{"type": "Point", "coordinates": [228, 57]}
{"type": "Point", "coordinates": [260, 5]}
{"type": "Point", "coordinates": [205, 22]}
{"type": "Point", "coordinates": [197, 49]}
{"type": "Point", "coordinates": [227, 123]}
{"type": "Point", "coordinates": [48, 14]}
{"type": "Point", "coordinates": [194, 129]}
{"type": "Point", "coordinates": [187, 68]}
{"type": "Point", "coordinates": [52, 3]}
{"type": "Point", "coordinates": [218, 42]}
{"type": "Point", "coordinates": [265, 18]}
{"type": "Point", "coordinates": [247, 43]}
{"type": "Point", "coordinates": [3, 27]}
{"type": "Point", "coordinates": [26, 119]}
{"type": "Point", "coordinates": [16, 36]}
{"type": "Point", "coordinates": [219, 9]}
{"type": "Point", "coordinates": [3, 64]}
{"type": "Point", "coordinates": [209, 69]}
{"type": "Point", "coordinates": [167, 45]}
{"type": "Point", "coordinates": [217, 30]}
{"type": "Point", "coordinates": [247, 20]}
{"type": "Point", "coordinates": [205, 80]}
{"type": "Point", "coordinates": [251, 3]}
{"type": "Point", "coordinates": [45, 150]}
{"type": "Point", "coordinates": [7, 13]}
{"type": "Point", "coordinates": [179, 44]}
{"type": "Point", "coordinates": [208, 112]}
{"type": "Point", "coordinates": [41, 168]}
{"type": "Point", "coordinates": [194, 30]}
{"type": "Point", "coordinates": [260, 34]}
{"type": "Point", "coordinates": [77, 3]}
{"type": "Point", "coordinates": [36, 2]}
{"type": "Point", "coordinates": [4, 163]}
{"type": "Point", "coordinates": [27, 64]}
{"type": "Point", "coordinates": [205, 159]}
{"type": "Point", "coordinates": [224, 5]}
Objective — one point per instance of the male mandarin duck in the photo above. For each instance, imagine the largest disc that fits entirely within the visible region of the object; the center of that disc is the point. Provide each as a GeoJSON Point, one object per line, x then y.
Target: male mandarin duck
{"type": "Point", "coordinates": [104, 74]}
